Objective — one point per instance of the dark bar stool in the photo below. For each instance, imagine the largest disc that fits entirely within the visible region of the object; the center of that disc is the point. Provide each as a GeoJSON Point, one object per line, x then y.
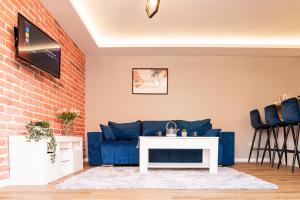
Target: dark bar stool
{"type": "Point", "coordinates": [291, 116]}
{"type": "Point", "coordinates": [274, 122]}
{"type": "Point", "coordinates": [259, 126]}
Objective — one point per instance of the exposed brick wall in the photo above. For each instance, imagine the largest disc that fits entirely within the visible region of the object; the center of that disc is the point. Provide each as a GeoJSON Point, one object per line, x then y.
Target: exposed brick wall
{"type": "Point", "coordinates": [27, 93]}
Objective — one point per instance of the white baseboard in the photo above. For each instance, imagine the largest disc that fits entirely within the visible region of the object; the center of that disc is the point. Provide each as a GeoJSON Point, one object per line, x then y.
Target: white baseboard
{"type": "Point", "coordinates": [4, 183]}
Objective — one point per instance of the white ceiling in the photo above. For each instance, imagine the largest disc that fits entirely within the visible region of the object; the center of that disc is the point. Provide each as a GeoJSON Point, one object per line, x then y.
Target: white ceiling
{"type": "Point", "coordinates": [181, 26]}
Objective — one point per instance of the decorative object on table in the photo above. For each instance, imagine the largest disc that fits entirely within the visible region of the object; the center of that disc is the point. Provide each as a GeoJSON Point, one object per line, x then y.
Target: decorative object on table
{"type": "Point", "coordinates": [68, 116]}
{"type": "Point", "coordinates": [194, 133]}
{"type": "Point", "coordinates": [183, 132]}
{"type": "Point", "coordinates": [158, 133]}
{"type": "Point", "coordinates": [41, 130]}
{"type": "Point", "coordinates": [170, 131]}
{"type": "Point", "coordinates": [149, 81]}
{"type": "Point", "coordinates": [152, 7]}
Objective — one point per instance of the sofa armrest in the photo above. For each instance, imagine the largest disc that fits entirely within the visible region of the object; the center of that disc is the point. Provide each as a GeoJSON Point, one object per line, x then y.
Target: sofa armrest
{"type": "Point", "coordinates": [227, 139]}
{"type": "Point", "coordinates": [94, 148]}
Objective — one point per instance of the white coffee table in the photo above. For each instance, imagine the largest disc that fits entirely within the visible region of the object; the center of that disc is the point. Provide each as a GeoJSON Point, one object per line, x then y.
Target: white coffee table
{"type": "Point", "coordinates": [208, 144]}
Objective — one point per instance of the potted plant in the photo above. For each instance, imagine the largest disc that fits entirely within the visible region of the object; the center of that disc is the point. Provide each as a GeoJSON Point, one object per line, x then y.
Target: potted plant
{"type": "Point", "coordinates": [68, 117]}
{"type": "Point", "coordinates": [183, 132]}
{"type": "Point", "coordinates": [38, 130]}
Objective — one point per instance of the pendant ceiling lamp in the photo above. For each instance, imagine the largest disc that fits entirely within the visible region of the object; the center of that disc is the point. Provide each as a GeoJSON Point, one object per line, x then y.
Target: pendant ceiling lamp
{"type": "Point", "coordinates": [152, 7]}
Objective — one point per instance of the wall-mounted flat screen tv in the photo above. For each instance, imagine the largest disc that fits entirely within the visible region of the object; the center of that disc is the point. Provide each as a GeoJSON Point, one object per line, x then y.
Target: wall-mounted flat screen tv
{"type": "Point", "coordinates": [36, 47]}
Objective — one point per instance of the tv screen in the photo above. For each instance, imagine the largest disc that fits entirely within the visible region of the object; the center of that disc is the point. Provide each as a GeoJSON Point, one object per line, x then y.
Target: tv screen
{"type": "Point", "coordinates": [37, 48]}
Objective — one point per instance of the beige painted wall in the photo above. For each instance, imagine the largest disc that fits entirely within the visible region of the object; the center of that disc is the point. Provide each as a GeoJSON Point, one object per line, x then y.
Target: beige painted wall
{"type": "Point", "coordinates": [223, 88]}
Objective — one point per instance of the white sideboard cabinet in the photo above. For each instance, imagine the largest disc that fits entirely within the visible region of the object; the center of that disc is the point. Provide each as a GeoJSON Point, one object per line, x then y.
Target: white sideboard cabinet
{"type": "Point", "coordinates": [30, 162]}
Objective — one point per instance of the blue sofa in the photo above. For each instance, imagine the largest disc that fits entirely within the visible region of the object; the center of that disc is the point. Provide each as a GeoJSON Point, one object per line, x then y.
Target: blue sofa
{"type": "Point", "coordinates": [117, 143]}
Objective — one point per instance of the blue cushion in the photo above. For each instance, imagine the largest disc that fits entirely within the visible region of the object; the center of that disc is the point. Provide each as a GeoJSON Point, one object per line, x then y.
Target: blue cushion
{"type": "Point", "coordinates": [212, 133]}
{"type": "Point", "coordinates": [126, 131]}
{"type": "Point", "coordinates": [201, 126]}
{"type": "Point", "coordinates": [107, 132]}
{"type": "Point", "coordinates": [149, 128]}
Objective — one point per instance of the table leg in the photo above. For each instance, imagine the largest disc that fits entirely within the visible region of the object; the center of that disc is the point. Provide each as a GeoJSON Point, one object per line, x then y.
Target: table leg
{"type": "Point", "coordinates": [144, 159]}
{"type": "Point", "coordinates": [213, 160]}
{"type": "Point", "coordinates": [205, 157]}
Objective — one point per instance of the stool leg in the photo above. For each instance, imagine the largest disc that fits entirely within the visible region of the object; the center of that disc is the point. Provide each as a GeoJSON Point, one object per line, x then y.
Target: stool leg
{"type": "Point", "coordinates": [285, 149]}
{"type": "Point", "coordinates": [284, 146]}
{"type": "Point", "coordinates": [267, 145]}
{"type": "Point", "coordinates": [276, 148]}
{"type": "Point", "coordinates": [258, 148]}
{"type": "Point", "coordinates": [253, 140]}
{"type": "Point", "coordinates": [297, 142]}
{"type": "Point", "coordinates": [296, 155]}
{"type": "Point", "coordinates": [297, 145]}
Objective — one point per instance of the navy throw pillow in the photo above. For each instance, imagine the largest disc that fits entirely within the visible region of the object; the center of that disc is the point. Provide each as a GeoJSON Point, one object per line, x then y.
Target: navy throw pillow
{"type": "Point", "coordinates": [149, 128]}
{"type": "Point", "coordinates": [200, 126]}
{"type": "Point", "coordinates": [107, 132]}
{"type": "Point", "coordinates": [126, 131]}
{"type": "Point", "coordinates": [212, 133]}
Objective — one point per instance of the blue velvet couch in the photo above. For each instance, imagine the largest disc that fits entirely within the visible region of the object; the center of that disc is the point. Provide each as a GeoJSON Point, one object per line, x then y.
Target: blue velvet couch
{"type": "Point", "coordinates": [117, 143]}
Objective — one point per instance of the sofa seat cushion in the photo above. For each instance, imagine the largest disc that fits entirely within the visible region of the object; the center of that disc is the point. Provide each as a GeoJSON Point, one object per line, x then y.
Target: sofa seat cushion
{"type": "Point", "coordinates": [107, 132]}
{"type": "Point", "coordinates": [119, 152]}
{"type": "Point", "coordinates": [200, 126]}
{"type": "Point", "coordinates": [126, 131]}
{"type": "Point", "coordinates": [149, 128]}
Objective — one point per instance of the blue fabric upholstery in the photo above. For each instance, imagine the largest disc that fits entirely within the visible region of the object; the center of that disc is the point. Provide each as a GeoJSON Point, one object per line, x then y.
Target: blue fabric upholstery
{"type": "Point", "coordinates": [226, 157]}
{"type": "Point", "coordinates": [149, 128]}
{"type": "Point", "coordinates": [201, 126]}
{"type": "Point", "coordinates": [126, 131]}
{"type": "Point", "coordinates": [290, 111]}
{"type": "Point", "coordinates": [272, 117]}
{"type": "Point", "coordinates": [256, 120]}
{"type": "Point", "coordinates": [120, 152]}
{"type": "Point", "coordinates": [94, 148]}
{"type": "Point", "coordinates": [212, 133]}
{"type": "Point", "coordinates": [124, 152]}
{"type": "Point", "coordinates": [107, 132]}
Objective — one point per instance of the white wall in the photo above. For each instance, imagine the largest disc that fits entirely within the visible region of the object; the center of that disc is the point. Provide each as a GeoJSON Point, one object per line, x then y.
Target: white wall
{"type": "Point", "coordinates": [223, 88]}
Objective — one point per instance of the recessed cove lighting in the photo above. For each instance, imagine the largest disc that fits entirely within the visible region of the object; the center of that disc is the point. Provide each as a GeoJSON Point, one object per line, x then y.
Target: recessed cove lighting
{"type": "Point", "coordinates": [111, 32]}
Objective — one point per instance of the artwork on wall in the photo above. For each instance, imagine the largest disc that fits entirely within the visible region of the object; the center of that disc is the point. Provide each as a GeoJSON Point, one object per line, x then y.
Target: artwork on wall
{"type": "Point", "coordinates": [150, 81]}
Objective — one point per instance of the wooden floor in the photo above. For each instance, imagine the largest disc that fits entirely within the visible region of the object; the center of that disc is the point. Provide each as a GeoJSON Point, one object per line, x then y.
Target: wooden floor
{"type": "Point", "coordinates": [289, 188]}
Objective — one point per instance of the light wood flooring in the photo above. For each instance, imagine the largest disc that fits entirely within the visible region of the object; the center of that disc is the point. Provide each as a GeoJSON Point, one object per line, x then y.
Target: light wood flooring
{"type": "Point", "coordinates": [289, 188]}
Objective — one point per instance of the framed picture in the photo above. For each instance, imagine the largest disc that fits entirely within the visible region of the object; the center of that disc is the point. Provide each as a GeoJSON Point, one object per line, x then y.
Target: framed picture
{"type": "Point", "coordinates": [150, 81]}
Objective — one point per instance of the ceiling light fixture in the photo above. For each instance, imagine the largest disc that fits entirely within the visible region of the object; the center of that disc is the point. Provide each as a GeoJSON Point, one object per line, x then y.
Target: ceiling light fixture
{"type": "Point", "coordinates": [152, 7]}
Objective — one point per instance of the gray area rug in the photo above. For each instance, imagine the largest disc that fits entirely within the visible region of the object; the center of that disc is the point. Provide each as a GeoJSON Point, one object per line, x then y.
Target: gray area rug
{"type": "Point", "coordinates": [130, 178]}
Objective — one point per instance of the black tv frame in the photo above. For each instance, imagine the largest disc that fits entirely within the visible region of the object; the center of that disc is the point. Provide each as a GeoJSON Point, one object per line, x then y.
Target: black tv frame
{"type": "Point", "coordinates": [16, 33]}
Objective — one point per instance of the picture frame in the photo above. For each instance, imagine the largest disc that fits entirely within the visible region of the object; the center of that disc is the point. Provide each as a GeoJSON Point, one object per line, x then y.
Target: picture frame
{"type": "Point", "coordinates": [150, 81]}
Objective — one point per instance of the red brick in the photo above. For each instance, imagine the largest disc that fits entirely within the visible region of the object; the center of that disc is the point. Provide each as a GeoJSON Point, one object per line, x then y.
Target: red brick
{"type": "Point", "coordinates": [3, 142]}
{"type": "Point", "coordinates": [12, 95]}
{"type": "Point", "coordinates": [28, 93]}
{"type": "Point", "coordinates": [4, 175]}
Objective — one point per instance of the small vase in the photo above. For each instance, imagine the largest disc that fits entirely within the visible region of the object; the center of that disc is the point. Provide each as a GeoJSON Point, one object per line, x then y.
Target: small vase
{"type": "Point", "coordinates": [68, 127]}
